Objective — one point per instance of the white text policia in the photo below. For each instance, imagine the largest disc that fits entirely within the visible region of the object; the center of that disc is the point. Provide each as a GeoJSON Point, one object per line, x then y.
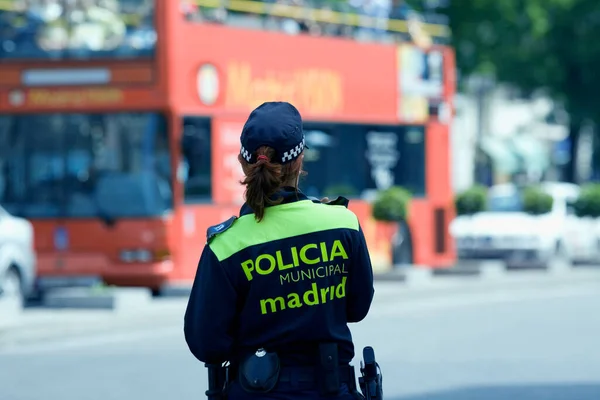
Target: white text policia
{"type": "Point", "coordinates": [309, 254]}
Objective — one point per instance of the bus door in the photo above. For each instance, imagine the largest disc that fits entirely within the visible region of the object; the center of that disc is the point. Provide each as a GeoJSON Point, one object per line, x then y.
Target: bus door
{"type": "Point", "coordinates": [195, 175]}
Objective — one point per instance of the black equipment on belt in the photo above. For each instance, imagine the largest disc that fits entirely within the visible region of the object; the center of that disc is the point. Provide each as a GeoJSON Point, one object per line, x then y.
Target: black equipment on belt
{"type": "Point", "coordinates": [218, 379]}
{"type": "Point", "coordinates": [261, 371]}
{"type": "Point", "coordinates": [310, 374]}
{"type": "Point", "coordinates": [371, 381]}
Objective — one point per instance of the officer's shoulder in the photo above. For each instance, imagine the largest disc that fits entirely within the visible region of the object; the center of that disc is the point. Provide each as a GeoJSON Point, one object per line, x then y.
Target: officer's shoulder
{"type": "Point", "coordinates": [215, 230]}
{"type": "Point", "coordinates": [339, 211]}
{"type": "Point", "coordinates": [339, 201]}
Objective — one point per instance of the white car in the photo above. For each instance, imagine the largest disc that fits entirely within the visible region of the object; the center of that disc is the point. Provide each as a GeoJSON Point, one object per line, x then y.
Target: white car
{"type": "Point", "coordinates": [17, 259]}
{"type": "Point", "coordinates": [506, 232]}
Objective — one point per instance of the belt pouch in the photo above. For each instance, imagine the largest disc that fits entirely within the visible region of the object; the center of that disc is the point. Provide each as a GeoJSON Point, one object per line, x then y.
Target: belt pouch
{"type": "Point", "coordinates": [328, 370]}
{"type": "Point", "coordinates": [259, 373]}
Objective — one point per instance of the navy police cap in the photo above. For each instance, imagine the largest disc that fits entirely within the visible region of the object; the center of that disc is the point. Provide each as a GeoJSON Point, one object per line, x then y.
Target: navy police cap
{"type": "Point", "coordinates": [275, 124]}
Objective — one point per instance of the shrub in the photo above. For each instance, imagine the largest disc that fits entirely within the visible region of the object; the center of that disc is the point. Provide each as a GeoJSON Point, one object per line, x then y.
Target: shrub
{"type": "Point", "coordinates": [536, 201]}
{"type": "Point", "coordinates": [588, 202]}
{"type": "Point", "coordinates": [471, 201]}
{"type": "Point", "coordinates": [391, 204]}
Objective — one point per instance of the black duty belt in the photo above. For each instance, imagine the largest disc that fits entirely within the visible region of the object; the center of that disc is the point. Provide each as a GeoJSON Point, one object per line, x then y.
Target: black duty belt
{"type": "Point", "coordinates": [309, 374]}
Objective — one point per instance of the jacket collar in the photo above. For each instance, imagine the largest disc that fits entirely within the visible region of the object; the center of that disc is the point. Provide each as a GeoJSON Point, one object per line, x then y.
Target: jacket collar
{"type": "Point", "coordinates": [288, 194]}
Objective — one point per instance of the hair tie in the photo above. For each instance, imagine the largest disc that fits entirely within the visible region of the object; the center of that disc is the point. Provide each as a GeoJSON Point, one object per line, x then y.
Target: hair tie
{"type": "Point", "coordinates": [262, 157]}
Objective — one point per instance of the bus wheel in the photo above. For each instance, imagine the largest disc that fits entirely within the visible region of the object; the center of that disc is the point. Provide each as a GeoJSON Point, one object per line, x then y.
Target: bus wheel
{"type": "Point", "coordinates": [156, 292]}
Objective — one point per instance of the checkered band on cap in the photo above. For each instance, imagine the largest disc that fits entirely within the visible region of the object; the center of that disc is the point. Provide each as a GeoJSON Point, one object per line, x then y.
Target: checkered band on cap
{"type": "Point", "coordinates": [287, 155]}
{"type": "Point", "coordinates": [246, 154]}
{"type": "Point", "coordinates": [293, 153]}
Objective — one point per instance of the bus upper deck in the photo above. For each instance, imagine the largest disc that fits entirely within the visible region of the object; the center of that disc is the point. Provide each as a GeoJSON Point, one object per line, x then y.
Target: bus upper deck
{"type": "Point", "coordinates": [122, 158]}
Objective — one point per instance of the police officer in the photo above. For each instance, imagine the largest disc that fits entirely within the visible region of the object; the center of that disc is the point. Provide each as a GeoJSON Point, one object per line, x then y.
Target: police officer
{"type": "Point", "coordinates": [277, 286]}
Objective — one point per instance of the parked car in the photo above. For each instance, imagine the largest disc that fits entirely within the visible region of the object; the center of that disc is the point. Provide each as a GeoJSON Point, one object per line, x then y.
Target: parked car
{"type": "Point", "coordinates": [506, 232]}
{"type": "Point", "coordinates": [17, 258]}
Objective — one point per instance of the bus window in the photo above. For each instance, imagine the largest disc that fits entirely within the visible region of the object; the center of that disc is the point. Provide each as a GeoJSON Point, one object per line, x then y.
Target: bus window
{"type": "Point", "coordinates": [196, 152]}
{"type": "Point", "coordinates": [324, 177]}
{"type": "Point", "coordinates": [122, 29]}
{"type": "Point", "coordinates": [411, 167]}
{"type": "Point", "coordinates": [85, 165]}
{"type": "Point", "coordinates": [353, 160]}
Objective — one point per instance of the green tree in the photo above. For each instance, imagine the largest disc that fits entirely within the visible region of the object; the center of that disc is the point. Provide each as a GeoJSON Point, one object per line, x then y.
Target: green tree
{"type": "Point", "coordinates": [534, 44]}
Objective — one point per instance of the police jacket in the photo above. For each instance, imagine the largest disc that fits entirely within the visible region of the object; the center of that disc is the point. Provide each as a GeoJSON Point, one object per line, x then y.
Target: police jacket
{"type": "Point", "coordinates": [285, 284]}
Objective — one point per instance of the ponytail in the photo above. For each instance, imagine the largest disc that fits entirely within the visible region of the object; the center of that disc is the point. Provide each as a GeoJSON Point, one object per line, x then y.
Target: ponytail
{"type": "Point", "coordinates": [264, 178]}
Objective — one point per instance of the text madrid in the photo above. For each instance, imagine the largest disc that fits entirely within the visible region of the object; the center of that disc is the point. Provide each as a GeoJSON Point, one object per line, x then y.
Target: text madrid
{"type": "Point", "coordinates": [312, 297]}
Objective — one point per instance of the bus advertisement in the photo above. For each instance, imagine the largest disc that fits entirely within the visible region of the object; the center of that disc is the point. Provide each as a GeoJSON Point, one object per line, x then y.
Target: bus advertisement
{"type": "Point", "coordinates": [121, 146]}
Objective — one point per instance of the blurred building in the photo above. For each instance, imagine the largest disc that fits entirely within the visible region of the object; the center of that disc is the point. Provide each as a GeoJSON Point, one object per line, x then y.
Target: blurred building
{"type": "Point", "coordinates": [463, 142]}
{"type": "Point", "coordinates": [501, 137]}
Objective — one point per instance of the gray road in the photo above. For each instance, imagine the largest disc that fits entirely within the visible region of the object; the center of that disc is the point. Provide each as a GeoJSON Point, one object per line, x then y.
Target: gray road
{"type": "Point", "coordinates": [536, 343]}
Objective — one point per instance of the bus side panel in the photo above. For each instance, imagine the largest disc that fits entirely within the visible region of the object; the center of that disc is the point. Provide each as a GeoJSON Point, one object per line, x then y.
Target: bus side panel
{"type": "Point", "coordinates": [377, 234]}
{"type": "Point", "coordinates": [439, 193]}
{"type": "Point", "coordinates": [72, 249]}
{"type": "Point", "coordinates": [227, 172]}
{"type": "Point", "coordinates": [420, 221]}
{"type": "Point", "coordinates": [195, 220]}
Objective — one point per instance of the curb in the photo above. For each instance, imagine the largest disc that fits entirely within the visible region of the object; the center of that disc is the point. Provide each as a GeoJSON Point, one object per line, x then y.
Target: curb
{"type": "Point", "coordinates": [485, 270]}
{"type": "Point", "coordinates": [86, 298]}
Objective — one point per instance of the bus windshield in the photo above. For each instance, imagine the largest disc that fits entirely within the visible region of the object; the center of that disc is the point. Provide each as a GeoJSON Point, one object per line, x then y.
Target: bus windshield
{"type": "Point", "coordinates": [77, 29]}
{"type": "Point", "coordinates": [113, 165]}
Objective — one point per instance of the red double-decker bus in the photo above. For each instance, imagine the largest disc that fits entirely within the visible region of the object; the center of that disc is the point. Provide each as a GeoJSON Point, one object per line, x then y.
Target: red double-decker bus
{"type": "Point", "coordinates": [119, 133]}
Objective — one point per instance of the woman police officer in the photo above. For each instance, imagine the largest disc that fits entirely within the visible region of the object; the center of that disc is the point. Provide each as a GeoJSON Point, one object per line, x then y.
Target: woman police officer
{"type": "Point", "coordinates": [277, 286]}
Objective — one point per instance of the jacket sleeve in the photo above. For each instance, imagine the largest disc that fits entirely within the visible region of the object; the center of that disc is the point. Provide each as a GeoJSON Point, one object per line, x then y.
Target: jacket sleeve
{"type": "Point", "coordinates": [211, 310]}
{"type": "Point", "coordinates": [360, 282]}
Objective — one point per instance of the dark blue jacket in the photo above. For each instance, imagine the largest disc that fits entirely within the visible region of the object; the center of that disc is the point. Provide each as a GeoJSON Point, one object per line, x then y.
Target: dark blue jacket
{"type": "Point", "coordinates": [287, 283]}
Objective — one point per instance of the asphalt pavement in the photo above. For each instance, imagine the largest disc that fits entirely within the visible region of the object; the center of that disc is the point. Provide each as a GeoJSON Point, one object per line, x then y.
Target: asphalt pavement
{"type": "Point", "coordinates": [534, 341]}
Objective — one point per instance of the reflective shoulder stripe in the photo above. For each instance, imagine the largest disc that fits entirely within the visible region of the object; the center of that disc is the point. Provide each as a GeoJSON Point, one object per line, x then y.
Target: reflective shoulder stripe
{"type": "Point", "coordinates": [282, 222]}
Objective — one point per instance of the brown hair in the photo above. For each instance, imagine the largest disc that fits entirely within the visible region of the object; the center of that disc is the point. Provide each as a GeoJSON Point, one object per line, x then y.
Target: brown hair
{"type": "Point", "coordinates": [265, 177]}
